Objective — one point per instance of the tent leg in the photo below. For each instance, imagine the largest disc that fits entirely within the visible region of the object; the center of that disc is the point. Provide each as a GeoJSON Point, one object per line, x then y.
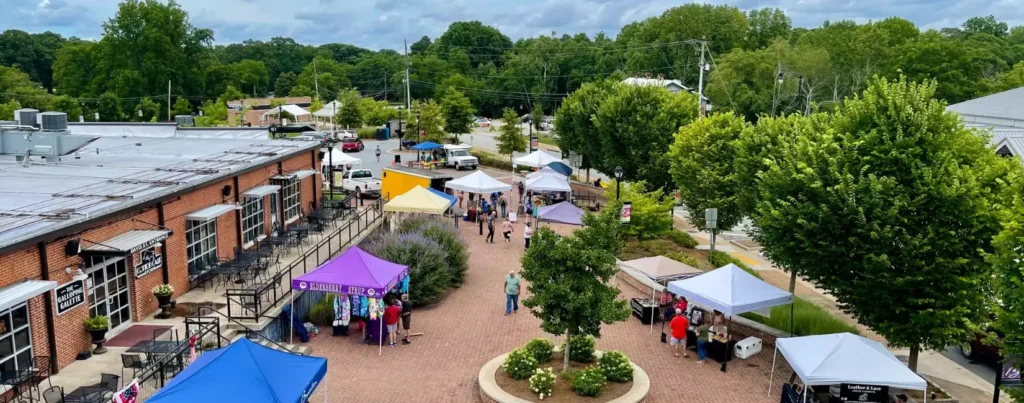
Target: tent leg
{"type": "Point", "coordinates": [728, 338]}
{"type": "Point", "coordinates": [653, 291]}
{"type": "Point", "coordinates": [291, 322]}
{"type": "Point", "coordinates": [805, 392]}
{"type": "Point", "coordinates": [380, 338]}
{"type": "Point", "coordinates": [771, 379]}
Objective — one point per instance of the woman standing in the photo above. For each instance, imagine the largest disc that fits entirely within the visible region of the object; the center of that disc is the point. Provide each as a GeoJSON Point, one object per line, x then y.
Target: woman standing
{"type": "Point", "coordinates": [527, 233]}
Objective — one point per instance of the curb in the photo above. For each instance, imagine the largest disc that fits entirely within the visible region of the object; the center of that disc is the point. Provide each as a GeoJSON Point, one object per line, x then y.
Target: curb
{"type": "Point", "coordinates": [489, 386]}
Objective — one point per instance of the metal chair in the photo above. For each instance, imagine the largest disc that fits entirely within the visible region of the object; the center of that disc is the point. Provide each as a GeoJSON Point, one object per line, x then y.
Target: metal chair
{"type": "Point", "coordinates": [41, 365]}
{"type": "Point", "coordinates": [133, 361]}
{"type": "Point", "coordinates": [109, 382]}
{"type": "Point", "coordinates": [55, 394]}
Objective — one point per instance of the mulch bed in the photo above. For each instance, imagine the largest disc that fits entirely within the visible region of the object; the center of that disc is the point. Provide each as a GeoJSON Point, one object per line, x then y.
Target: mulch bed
{"type": "Point", "coordinates": [562, 392]}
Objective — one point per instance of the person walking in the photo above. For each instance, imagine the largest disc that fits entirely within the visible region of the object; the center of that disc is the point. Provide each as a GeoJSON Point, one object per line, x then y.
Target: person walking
{"type": "Point", "coordinates": [678, 326]}
{"type": "Point", "coordinates": [511, 293]}
{"type": "Point", "coordinates": [378, 152]}
{"type": "Point", "coordinates": [503, 203]}
{"type": "Point", "coordinates": [461, 196]}
{"type": "Point", "coordinates": [490, 226]}
{"type": "Point", "coordinates": [506, 231]}
{"type": "Point", "coordinates": [522, 188]}
{"type": "Point", "coordinates": [527, 233]}
{"type": "Point", "coordinates": [406, 317]}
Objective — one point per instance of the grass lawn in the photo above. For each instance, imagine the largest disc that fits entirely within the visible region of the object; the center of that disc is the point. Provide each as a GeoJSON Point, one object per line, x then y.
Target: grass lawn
{"type": "Point", "coordinates": [545, 139]}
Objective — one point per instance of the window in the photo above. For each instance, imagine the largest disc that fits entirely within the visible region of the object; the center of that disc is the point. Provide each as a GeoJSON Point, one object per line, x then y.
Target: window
{"type": "Point", "coordinates": [109, 292]}
{"type": "Point", "coordinates": [292, 199]}
{"type": "Point", "coordinates": [252, 219]}
{"type": "Point", "coordinates": [362, 174]}
{"type": "Point", "coordinates": [15, 339]}
{"type": "Point", "coordinates": [201, 244]}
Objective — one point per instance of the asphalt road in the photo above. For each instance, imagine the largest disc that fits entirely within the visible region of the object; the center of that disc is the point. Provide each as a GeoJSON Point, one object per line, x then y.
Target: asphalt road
{"type": "Point", "coordinates": [984, 371]}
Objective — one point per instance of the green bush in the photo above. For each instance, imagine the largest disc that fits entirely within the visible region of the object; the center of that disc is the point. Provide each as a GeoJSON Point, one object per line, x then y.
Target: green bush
{"type": "Point", "coordinates": [540, 349]}
{"type": "Point", "coordinates": [683, 258]}
{"type": "Point", "coordinates": [427, 260]}
{"type": "Point", "coordinates": [682, 239]}
{"type": "Point", "coordinates": [445, 235]}
{"type": "Point", "coordinates": [322, 312]}
{"type": "Point", "coordinates": [616, 367]}
{"type": "Point", "coordinates": [367, 133]}
{"type": "Point", "coordinates": [581, 349]}
{"type": "Point", "coordinates": [589, 382]}
{"type": "Point", "coordinates": [520, 364]}
{"type": "Point", "coordinates": [810, 320]}
{"type": "Point", "coordinates": [493, 161]}
{"type": "Point", "coordinates": [569, 375]}
{"type": "Point", "coordinates": [542, 382]}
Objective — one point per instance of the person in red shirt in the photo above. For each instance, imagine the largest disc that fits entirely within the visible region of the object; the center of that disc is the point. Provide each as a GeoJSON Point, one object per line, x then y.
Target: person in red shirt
{"type": "Point", "coordinates": [681, 304]}
{"type": "Point", "coordinates": [678, 326]}
{"type": "Point", "coordinates": [391, 314]}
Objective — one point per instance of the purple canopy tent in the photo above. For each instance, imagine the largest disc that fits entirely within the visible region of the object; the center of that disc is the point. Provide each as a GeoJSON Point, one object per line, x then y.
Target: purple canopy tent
{"type": "Point", "coordinates": [354, 272]}
{"type": "Point", "coordinates": [563, 212]}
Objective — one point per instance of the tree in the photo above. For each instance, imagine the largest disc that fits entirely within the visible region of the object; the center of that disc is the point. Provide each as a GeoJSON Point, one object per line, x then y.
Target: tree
{"type": "Point", "coordinates": [510, 139]}
{"type": "Point", "coordinates": [1009, 297]}
{"type": "Point", "coordinates": [251, 75]}
{"type": "Point", "coordinates": [568, 280]}
{"type": "Point", "coordinates": [349, 114]}
{"type": "Point", "coordinates": [888, 206]}
{"type": "Point", "coordinates": [67, 105]}
{"type": "Point", "coordinates": [181, 107]}
{"type": "Point", "coordinates": [7, 109]}
{"type": "Point", "coordinates": [536, 116]}
{"type": "Point", "coordinates": [985, 25]}
{"type": "Point", "coordinates": [765, 25]}
{"type": "Point", "coordinates": [150, 111]}
{"type": "Point", "coordinates": [574, 121]}
{"type": "Point", "coordinates": [472, 37]}
{"type": "Point", "coordinates": [703, 165]}
{"type": "Point", "coordinates": [326, 74]}
{"type": "Point", "coordinates": [109, 108]}
{"type": "Point", "coordinates": [230, 94]}
{"type": "Point", "coordinates": [458, 113]}
{"type": "Point", "coordinates": [420, 46]}
{"type": "Point", "coordinates": [284, 84]}
{"type": "Point", "coordinates": [651, 214]}
{"type": "Point", "coordinates": [376, 113]}
{"type": "Point", "coordinates": [431, 120]}
{"type": "Point", "coordinates": [74, 71]}
{"type": "Point", "coordinates": [16, 84]}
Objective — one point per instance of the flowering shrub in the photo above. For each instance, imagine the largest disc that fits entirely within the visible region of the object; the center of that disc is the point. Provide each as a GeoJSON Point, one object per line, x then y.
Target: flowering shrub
{"type": "Point", "coordinates": [519, 364]}
{"type": "Point", "coordinates": [540, 349]}
{"type": "Point", "coordinates": [616, 367]}
{"type": "Point", "coordinates": [581, 349]}
{"type": "Point", "coordinates": [542, 382]}
{"type": "Point", "coordinates": [437, 257]}
{"type": "Point", "coordinates": [589, 382]}
{"type": "Point", "coordinates": [163, 289]}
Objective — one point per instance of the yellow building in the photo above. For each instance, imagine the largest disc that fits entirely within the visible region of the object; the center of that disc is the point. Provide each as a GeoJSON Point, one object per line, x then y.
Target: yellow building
{"type": "Point", "coordinates": [398, 180]}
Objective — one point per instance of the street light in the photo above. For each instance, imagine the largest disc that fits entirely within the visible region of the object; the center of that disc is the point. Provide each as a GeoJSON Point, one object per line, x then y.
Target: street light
{"type": "Point", "coordinates": [618, 181]}
{"type": "Point", "coordinates": [330, 164]}
{"type": "Point", "coordinates": [400, 131]}
{"type": "Point", "coordinates": [417, 126]}
{"type": "Point", "coordinates": [799, 85]}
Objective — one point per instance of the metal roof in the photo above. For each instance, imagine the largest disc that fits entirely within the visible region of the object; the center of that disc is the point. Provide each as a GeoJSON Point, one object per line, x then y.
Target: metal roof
{"type": "Point", "coordinates": [210, 213]}
{"type": "Point", "coordinates": [999, 110]}
{"type": "Point", "coordinates": [128, 242]}
{"type": "Point", "coordinates": [118, 172]}
{"type": "Point", "coordinates": [261, 191]}
{"type": "Point", "coordinates": [17, 293]}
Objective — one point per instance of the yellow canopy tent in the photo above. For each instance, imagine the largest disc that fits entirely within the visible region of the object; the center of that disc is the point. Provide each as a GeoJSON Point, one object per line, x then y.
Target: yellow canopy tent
{"type": "Point", "coordinates": [418, 200]}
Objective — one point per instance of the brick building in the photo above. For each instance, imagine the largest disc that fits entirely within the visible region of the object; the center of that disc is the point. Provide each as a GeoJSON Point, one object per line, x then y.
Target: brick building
{"type": "Point", "coordinates": [92, 232]}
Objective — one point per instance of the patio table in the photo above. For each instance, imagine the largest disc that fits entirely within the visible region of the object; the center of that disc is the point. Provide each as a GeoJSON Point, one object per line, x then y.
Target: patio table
{"type": "Point", "coordinates": [86, 394]}
{"type": "Point", "coordinates": [16, 379]}
{"type": "Point", "coordinates": [157, 346]}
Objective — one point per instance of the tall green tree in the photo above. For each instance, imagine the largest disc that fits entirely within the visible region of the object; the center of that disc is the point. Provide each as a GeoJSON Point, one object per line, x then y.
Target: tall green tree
{"type": "Point", "coordinates": [150, 111]}
{"type": "Point", "coordinates": [510, 138]}
{"type": "Point", "coordinates": [651, 214]}
{"type": "Point", "coordinates": [109, 108]}
{"type": "Point", "coordinates": [431, 120]}
{"type": "Point", "coordinates": [7, 109]}
{"type": "Point", "coordinates": [376, 113]}
{"type": "Point", "coordinates": [1009, 278]}
{"type": "Point", "coordinates": [889, 206]}
{"type": "Point", "coordinates": [703, 165]}
{"type": "Point", "coordinates": [458, 113]}
{"type": "Point", "coordinates": [764, 25]}
{"type": "Point", "coordinates": [569, 280]}
{"type": "Point", "coordinates": [350, 113]}
{"type": "Point", "coordinates": [575, 122]}
{"type": "Point", "coordinates": [471, 36]}
{"type": "Point", "coordinates": [181, 107]}
{"type": "Point", "coordinates": [251, 75]}
{"type": "Point", "coordinates": [284, 84]}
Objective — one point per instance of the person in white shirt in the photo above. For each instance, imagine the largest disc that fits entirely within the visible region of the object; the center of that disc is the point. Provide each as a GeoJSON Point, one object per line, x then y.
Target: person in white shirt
{"type": "Point", "coordinates": [527, 233]}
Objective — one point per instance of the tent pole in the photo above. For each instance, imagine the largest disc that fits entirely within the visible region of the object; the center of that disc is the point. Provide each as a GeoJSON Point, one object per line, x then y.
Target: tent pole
{"type": "Point", "coordinates": [653, 291]}
{"type": "Point", "coordinates": [291, 322]}
{"type": "Point", "coordinates": [380, 339]}
{"type": "Point", "coordinates": [771, 379]}
{"type": "Point", "coordinates": [728, 338]}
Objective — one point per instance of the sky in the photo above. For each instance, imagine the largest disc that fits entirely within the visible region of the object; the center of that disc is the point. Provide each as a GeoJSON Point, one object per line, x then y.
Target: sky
{"type": "Point", "coordinates": [377, 24]}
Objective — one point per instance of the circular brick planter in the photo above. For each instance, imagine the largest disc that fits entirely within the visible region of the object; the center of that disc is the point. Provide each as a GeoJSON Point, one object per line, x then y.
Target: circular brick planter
{"type": "Point", "coordinates": [491, 392]}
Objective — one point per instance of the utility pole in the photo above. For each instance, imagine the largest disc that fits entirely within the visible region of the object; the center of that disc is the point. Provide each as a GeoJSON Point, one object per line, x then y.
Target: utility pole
{"type": "Point", "coordinates": [700, 80]}
{"type": "Point", "coordinates": [408, 99]}
{"type": "Point", "coordinates": [315, 82]}
{"type": "Point", "coordinates": [385, 86]}
{"type": "Point", "coordinates": [169, 100]}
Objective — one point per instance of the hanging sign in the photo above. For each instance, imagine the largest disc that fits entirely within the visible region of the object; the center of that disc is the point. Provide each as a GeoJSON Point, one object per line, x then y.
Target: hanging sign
{"type": "Point", "coordinates": [69, 296]}
{"type": "Point", "coordinates": [534, 142]}
{"type": "Point", "coordinates": [149, 260]}
{"type": "Point", "coordinates": [627, 210]}
{"type": "Point", "coordinates": [1010, 375]}
{"type": "Point", "coordinates": [863, 393]}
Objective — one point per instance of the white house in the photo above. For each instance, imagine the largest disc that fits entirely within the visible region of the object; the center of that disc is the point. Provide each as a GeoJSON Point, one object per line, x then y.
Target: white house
{"type": "Point", "coordinates": [673, 86]}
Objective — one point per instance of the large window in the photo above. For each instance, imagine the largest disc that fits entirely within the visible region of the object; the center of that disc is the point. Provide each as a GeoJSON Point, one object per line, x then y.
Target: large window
{"type": "Point", "coordinates": [201, 244]}
{"type": "Point", "coordinates": [252, 219]}
{"type": "Point", "coordinates": [292, 199]}
{"type": "Point", "coordinates": [108, 294]}
{"type": "Point", "coordinates": [15, 339]}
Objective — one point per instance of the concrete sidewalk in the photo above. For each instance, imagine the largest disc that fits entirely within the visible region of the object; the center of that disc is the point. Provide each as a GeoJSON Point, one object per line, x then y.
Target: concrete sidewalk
{"type": "Point", "coordinates": [965, 385]}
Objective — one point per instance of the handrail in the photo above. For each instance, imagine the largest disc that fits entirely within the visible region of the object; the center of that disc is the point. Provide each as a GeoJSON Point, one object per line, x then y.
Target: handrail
{"type": "Point", "coordinates": [248, 330]}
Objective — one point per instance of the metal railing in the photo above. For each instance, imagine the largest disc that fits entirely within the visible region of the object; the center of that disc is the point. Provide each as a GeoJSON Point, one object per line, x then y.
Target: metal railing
{"type": "Point", "coordinates": [253, 303]}
{"type": "Point", "coordinates": [161, 368]}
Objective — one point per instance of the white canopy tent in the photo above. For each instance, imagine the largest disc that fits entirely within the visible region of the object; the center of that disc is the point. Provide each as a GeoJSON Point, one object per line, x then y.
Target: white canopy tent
{"type": "Point", "coordinates": [657, 269]}
{"type": "Point", "coordinates": [548, 183]}
{"type": "Point", "coordinates": [546, 171]}
{"type": "Point", "coordinates": [338, 158]}
{"type": "Point", "coordinates": [478, 182]}
{"type": "Point", "coordinates": [537, 159]}
{"type": "Point", "coordinates": [831, 359]}
{"type": "Point", "coordinates": [328, 111]}
{"type": "Point", "coordinates": [294, 110]}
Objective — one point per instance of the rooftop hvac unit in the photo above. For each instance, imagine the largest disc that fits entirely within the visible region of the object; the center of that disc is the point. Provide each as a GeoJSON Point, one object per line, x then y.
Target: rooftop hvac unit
{"type": "Point", "coordinates": [54, 121]}
{"type": "Point", "coordinates": [185, 120]}
{"type": "Point", "coordinates": [26, 117]}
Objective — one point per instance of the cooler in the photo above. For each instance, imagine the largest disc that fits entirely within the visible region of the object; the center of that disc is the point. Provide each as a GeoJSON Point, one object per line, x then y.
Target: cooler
{"type": "Point", "coordinates": [748, 347]}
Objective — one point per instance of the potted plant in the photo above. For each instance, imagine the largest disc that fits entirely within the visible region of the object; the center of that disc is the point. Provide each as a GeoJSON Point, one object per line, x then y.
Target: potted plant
{"type": "Point", "coordinates": [163, 293]}
{"type": "Point", "coordinates": [97, 327]}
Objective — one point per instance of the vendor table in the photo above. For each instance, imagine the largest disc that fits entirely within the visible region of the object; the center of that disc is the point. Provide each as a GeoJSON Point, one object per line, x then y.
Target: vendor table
{"type": "Point", "coordinates": [721, 351]}
{"type": "Point", "coordinates": [645, 309]}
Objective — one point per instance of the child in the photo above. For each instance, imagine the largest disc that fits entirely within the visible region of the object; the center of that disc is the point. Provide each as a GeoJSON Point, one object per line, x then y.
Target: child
{"type": "Point", "coordinates": [406, 317]}
{"type": "Point", "coordinates": [391, 315]}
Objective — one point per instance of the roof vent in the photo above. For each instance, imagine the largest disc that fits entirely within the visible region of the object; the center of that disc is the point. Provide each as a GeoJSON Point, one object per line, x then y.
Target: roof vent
{"type": "Point", "coordinates": [185, 120]}
{"type": "Point", "coordinates": [26, 117]}
{"type": "Point", "coordinates": [54, 121]}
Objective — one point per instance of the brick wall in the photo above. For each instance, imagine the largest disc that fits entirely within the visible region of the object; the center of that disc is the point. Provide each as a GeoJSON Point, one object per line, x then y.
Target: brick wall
{"type": "Point", "coordinates": [71, 335]}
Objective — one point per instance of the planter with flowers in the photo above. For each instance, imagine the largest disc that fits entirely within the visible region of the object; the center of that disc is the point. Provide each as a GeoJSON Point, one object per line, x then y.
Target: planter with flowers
{"type": "Point", "coordinates": [163, 293]}
{"type": "Point", "coordinates": [97, 327]}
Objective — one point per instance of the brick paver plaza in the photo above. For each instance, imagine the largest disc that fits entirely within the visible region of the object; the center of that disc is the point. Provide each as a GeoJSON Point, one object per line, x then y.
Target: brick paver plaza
{"type": "Point", "coordinates": [468, 328]}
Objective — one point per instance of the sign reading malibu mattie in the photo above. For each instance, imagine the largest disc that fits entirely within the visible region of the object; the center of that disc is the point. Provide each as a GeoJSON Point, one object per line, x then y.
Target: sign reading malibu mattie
{"type": "Point", "coordinates": [354, 272]}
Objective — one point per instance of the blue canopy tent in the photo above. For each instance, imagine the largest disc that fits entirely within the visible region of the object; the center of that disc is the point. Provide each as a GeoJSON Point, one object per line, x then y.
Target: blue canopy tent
{"type": "Point", "coordinates": [427, 145]}
{"type": "Point", "coordinates": [561, 168]}
{"type": "Point", "coordinates": [451, 199]}
{"type": "Point", "coordinates": [245, 372]}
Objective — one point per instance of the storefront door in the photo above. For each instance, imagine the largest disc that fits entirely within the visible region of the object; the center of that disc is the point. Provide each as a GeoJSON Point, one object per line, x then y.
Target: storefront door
{"type": "Point", "coordinates": [109, 294]}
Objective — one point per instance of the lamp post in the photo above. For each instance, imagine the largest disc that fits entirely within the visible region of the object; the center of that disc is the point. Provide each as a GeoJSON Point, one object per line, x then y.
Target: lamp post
{"type": "Point", "coordinates": [618, 182]}
{"type": "Point", "coordinates": [417, 126]}
{"type": "Point", "coordinates": [400, 131]}
{"type": "Point", "coordinates": [330, 164]}
{"type": "Point", "coordinates": [799, 86]}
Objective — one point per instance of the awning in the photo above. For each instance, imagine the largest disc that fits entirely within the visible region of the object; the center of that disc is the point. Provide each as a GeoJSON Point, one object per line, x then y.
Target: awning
{"type": "Point", "coordinates": [19, 292]}
{"type": "Point", "coordinates": [261, 191]}
{"type": "Point", "coordinates": [210, 213]}
{"type": "Point", "coordinates": [126, 243]}
{"type": "Point", "coordinates": [305, 173]}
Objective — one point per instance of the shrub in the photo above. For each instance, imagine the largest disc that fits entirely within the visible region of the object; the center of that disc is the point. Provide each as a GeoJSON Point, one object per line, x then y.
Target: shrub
{"type": "Point", "coordinates": [569, 375]}
{"type": "Point", "coordinates": [682, 239]}
{"type": "Point", "coordinates": [616, 366]}
{"type": "Point", "coordinates": [540, 349]}
{"type": "Point", "coordinates": [493, 161]}
{"type": "Point", "coordinates": [97, 323]}
{"type": "Point", "coordinates": [589, 382]}
{"type": "Point", "coordinates": [427, 261]}
{"type": "Point", "coordinates": [542, 382]}
{"type": "Point", "coordinates": [520, 364]}
{"type": "Point", "coordinates": [683, 258]}
{"type": "Point", "coordinates": [810, 320]}
{"type": "Point", "coordinates": [366, 133]}
{"type": "Point", "coordinates": [449, 239]}
{"type": "Point", "coordinates": [581, 349]}
{"type": "Point", "coordinates": [322, 312]}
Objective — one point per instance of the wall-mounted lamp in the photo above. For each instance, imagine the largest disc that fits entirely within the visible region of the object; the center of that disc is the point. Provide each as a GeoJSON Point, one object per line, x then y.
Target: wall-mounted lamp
{"type": "Point", "coordinates": [76, 274]}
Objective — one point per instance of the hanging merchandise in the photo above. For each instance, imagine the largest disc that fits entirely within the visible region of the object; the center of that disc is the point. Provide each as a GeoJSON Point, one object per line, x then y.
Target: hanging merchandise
{"type": "Point", "coordinates": [342, 312]}
{"type": "Point", "coordinates": [355, 305]}
{"type": "Point", "coordinates": [364, 307]}
{"type": "Point", "coordinates": [405, 285]}
{"type": "Point", "coordinates": [374, 308]}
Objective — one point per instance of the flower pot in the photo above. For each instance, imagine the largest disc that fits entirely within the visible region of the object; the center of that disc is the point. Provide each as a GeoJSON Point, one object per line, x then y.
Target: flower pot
{"type": "Point", "coordinates": [98, 338]}
{"type": "Point", "coordinates": [162, 300]}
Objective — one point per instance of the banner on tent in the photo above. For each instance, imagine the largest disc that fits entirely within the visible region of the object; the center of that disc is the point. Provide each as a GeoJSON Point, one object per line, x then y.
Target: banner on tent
{"type": "Point", "coordinates": [849, 392]}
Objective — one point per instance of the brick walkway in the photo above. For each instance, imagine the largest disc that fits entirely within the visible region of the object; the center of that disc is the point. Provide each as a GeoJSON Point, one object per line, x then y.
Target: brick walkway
{"type": "Point", "coordinates": [468, 328]}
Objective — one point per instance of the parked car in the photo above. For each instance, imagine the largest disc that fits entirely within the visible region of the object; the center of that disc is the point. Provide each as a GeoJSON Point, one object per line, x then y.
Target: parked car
{"type": "Point", "coordinates": [482, 121]}
{"type": "Point", "coordinates": [409, 143]}
{"type": "Point", "coordinates": [351, 144]}
{"type": "Point", "coordinates": [458, 157]}
{"type": "Point", "coordinates": [361, 182]}
{"type": "Point", "coordinates": [346, 134]}
{"type": "Point", "coordinates": [313, 136]}
{"type": "Point", "coordinates": [979, 350]}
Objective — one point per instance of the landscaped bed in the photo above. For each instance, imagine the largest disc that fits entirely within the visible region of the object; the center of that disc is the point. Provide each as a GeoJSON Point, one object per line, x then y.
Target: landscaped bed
{"type": "Point", "coordinates": [562, 391]}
